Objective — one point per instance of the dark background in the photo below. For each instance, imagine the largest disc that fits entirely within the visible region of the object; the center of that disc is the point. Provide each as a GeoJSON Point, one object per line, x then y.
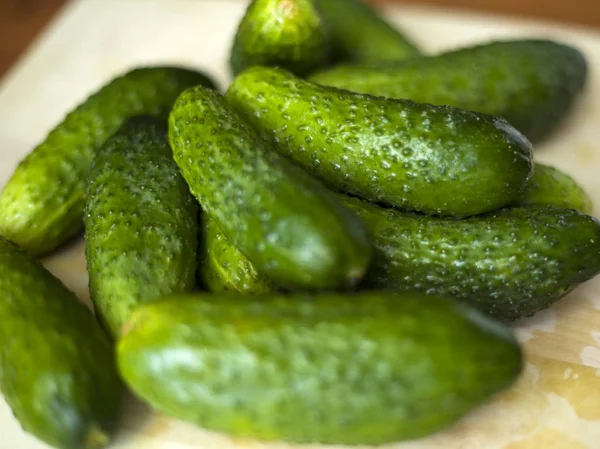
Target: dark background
{"type": "Point", "coordinates": [22, 20]}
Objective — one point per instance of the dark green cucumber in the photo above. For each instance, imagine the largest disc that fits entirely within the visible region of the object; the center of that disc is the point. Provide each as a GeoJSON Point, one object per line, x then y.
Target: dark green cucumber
{"type": "Point", "coordinates": [140, 223]}
{"type": "Point", "coordinates": [552, 187]}
{"type": "Point", "coordinates": [370, 368]}
{"type": "Point", "coordinates": [57, 369]}
{"type": "Point", "coordinates": [284, 33]}
{"type": "Point", "coordinates": [431, 159]}
{"type": "Point", "coordinates": [224, 268]}
{"type": "Point", "coordinates": [290, 226]}
{"type": "Point", "coordinates": [360, 34]}
{"type": "Point", "coordinates": [42, 205]}
{"type": "Point", "coordinates": [530, 83]}
{"type": "Point", "coordinates": [510, 263]}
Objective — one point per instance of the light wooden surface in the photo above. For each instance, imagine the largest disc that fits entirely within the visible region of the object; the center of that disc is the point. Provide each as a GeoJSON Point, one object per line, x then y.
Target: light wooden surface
{"type": "Point", "coordinates": [555, 405]}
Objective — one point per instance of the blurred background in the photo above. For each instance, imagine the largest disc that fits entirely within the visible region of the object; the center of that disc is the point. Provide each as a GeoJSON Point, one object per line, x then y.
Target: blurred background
{"type": "Point", "coordinates": [22, 20]}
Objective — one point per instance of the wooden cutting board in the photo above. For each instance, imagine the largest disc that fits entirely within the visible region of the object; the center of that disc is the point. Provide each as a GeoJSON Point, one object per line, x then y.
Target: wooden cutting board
{"type": "Point", "coordinates": [556, 403]}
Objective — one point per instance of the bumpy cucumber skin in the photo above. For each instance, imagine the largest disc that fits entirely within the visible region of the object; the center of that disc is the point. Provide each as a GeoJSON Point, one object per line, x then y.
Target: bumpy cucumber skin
{"type": "Point", "coordinates": [223, 267]}
{"type": "Point", "coordinates": [532, 84]}
{"type": "Point", "coordinates": [283, 33]}
{"type": "Point", "coordinates": [510, 263]}
{"type": "Point", "coordinates": [42, 205]}
{"type": "Point", "coordinates": [140, 223]}
{"type": "Point", "coordinates": [432, 159]}
{"type": "Point", "coordinates": [57, 369]}
{"type": "Point", "coordinates": [552, 187]}
{"type": "Point", "coordinates": [290, 226]}
{"type": "Point", "coordinates": [371, 368]}
{"type": "Point", "coordinates": [360, 34]}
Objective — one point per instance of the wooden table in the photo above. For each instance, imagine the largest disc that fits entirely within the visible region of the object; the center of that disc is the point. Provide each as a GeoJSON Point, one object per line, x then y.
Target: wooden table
{"type": "Point", "coordinates": [22, 20]}
{"type": "Point", "coordinates": [555, 403]}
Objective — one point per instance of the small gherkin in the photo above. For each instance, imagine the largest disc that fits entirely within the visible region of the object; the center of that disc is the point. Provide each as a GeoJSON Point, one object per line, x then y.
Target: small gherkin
{"type": "Point", "coordinates": [284, 33]}
{"type": "Point", "coordinates": [286, 222]}
{"type": "Point", "coordinates": [57, 366]}
{"type": "Point", "coordinates": [337, 368]}
{"type": "Point", "coordinates": [553, 187]}
{"type": "Point", "coordinates": [433, 159]}
{"type": "Point", "coordinates": [509, 263]}
{"type": "Point", "coordinates": [531, 83]}
{"type": "Point", "coordinates": [41, 207]}
{"type": "Point", "coordinates": [141, 223]}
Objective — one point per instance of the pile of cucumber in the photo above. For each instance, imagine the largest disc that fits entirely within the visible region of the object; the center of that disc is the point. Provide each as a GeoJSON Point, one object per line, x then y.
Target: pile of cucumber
{"type": "Point", "coordinates": [328, 253]}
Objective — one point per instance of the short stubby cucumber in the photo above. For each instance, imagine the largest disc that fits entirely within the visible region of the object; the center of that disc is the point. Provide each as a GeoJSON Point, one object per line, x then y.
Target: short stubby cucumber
{"type": "Point", "coordinates": [552, 187]}
{"type": "Point", "coordinates": [222, 267]}
{"type": "Point", "coordinates": [41, 207]}
{"type": "Point", "coordinates": [141, 225]}
{"type": "Point", "coordinates": [360, 34]}
{"type": "Point", "coordinates": [532, 84]}
{"type": "Point", "coordinates": [354, 369]}
{"type": "Point", "coordinates": [289, 225]}
{"type": "Point", "coordinates": [431, 159]}
{"type": "Point", "coordinates": [510, 263]}
{"type": "Point", "coordinates": [57, 369]}
{"type": "Point", "coordinates": [283, 33]}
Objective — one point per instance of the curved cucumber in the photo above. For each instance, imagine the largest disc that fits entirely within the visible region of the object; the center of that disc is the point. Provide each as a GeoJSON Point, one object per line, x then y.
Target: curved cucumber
{"type": "Point", "coordinates": [413, 156]}
{"type": "Point", "coordinates": [370, 368]}
{"type": "Point", "coordinates": [140, 223]}
{"type": "Point", "coordinates": [283, 33]}
{"type": "Point", "coordinates": [57, 369]}
{"type": "Point", "coordinates": [510, 263]}
{"type": "Point", "coordinates": [290, 226]}
{"type": "Point", "coordinates": [41, 207]}
{"type": "Point", "coordinates": [532, 84]}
